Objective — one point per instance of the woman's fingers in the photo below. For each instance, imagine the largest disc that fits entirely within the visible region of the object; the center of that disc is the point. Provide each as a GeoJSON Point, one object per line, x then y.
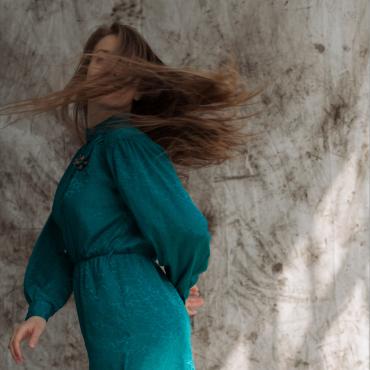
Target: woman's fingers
{"type": "Point", "coordinates": [194, 290]}
{"type": "Point", "coordinates": [33, 327]}
{"type": "Point", "coordinates": [193, 302]}
{"type": "Point", "coordinates": [191, 312]}
{"type": "Point", "coordinates": [22, 333]}
{"type": "Point", "coordinates": [19, 334]}
{"type": "Point", "coordinates": [35, 336]}
{"type": "Point", "coordinates": [10, 346]}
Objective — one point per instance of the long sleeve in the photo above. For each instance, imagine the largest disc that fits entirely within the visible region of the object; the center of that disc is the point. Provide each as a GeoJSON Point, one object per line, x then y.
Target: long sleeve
{"type": "Point", "coordinates": [47, 283]}
{"type": "Point", "coordinates": [163, 210]}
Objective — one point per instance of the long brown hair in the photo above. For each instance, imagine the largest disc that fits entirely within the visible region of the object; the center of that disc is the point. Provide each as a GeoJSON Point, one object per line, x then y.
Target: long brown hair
{"type": "Point", "coordinates": [188, 111]}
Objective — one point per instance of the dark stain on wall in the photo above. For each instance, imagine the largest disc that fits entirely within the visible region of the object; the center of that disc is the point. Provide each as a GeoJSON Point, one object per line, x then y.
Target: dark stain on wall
{"type": "Point", "coordinates": [319, 47]}
{"type": "Point", "coordinates": [277, 267]}
{"type": "Point", "coordinates": [127, 9]}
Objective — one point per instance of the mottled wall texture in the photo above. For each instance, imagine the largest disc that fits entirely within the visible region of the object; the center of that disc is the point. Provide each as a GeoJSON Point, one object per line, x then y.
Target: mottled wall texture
{"type": "Point", "coordinates": [288, 283]}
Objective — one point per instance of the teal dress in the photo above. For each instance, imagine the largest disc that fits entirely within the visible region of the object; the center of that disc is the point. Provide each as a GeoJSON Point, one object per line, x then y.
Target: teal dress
{"type": "Point", "coordinates": [120, 211]}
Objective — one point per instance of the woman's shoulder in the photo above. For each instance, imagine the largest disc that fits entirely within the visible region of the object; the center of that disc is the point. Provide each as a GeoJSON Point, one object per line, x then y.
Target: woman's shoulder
{"type": "Point", "coordinates": [117, 134]}
{"type": "Point", "coordinates": [130, 136]}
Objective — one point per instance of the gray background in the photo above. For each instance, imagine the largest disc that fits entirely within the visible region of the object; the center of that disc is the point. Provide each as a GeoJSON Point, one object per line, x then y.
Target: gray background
{"type": "Point", "coordinates": [288, 282]}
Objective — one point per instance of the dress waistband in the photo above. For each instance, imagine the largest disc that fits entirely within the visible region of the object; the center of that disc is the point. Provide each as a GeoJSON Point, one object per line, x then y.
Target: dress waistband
{"type": "Point", "coordinates": [144, 252]}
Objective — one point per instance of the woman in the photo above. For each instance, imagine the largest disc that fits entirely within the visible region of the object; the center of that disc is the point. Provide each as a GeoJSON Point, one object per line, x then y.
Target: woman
{"type": "Point", "coordinates": [120, 206]}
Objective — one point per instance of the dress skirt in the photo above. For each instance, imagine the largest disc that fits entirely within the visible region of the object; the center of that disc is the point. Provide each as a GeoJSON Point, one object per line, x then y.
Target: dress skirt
{"type": "Point", "coordinates": [131, 316]}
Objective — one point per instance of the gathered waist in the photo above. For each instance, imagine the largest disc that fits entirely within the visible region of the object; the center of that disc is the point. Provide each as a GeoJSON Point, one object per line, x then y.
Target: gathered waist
{"type": "Point", "coordinates": [144, 252]}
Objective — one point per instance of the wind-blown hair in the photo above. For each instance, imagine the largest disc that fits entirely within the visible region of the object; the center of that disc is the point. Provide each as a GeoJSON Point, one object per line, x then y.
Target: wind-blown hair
{"type": "Point", "coordinates": [188, 111]}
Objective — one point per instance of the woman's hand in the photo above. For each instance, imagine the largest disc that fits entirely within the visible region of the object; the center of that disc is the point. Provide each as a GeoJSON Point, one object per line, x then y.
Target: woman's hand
{"type": "Point", "coordinates": [194, 301]}
{"type": "Point", "coordinates": [32, 327]}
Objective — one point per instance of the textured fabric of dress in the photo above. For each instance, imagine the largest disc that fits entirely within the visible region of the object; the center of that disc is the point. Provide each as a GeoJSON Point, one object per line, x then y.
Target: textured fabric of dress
{"type": "Point", "coordinates": [118, 209]}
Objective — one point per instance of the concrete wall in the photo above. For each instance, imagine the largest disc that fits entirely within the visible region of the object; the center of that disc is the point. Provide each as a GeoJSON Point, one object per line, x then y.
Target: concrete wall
{"type": "Point", "coordinates": [288, 283]}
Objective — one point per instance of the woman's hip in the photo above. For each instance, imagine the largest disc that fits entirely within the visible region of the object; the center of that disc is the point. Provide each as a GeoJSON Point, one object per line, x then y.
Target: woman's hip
{"type": "Point", "coordinates": [124, 295]}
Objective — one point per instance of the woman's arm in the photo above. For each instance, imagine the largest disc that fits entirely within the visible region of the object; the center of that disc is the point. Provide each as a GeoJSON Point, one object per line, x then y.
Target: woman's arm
{"type": "Point", "coordinates": [49, 273]}
{"type": "Point", "coordinates": [164, 211]}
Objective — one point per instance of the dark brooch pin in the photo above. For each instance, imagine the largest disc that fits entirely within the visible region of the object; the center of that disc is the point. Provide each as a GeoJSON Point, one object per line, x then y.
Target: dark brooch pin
{"type": "Point", "coordinates": [80, 162]}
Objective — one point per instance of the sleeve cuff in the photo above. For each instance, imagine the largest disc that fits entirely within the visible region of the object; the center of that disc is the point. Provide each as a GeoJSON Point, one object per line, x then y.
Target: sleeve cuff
{"type": "Point", "coordinates": [40, 308]}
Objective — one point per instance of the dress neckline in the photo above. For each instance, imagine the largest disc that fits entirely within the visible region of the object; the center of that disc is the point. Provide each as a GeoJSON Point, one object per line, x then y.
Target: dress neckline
{"type": "Point", "coordinates": [105, 125]}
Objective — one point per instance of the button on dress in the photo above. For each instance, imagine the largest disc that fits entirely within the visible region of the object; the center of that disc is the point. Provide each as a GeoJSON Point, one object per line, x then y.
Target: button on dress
{"type": "Point", "coordinates": [118, 209]}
